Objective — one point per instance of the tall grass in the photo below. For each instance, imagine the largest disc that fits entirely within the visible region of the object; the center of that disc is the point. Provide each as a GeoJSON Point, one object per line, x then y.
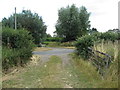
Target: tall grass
{"type": "Point", "coordinates": [113, 49]}
{"type": "Point", "coordinates": [85, 68]}
{"type": "Point", "coordinates": [89, 76]}
{"type": "Point", "coordinates": [108, 47]}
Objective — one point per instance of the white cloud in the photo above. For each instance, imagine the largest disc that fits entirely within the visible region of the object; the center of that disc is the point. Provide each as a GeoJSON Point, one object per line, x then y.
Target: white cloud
{"type": "Point", "coordinates": [104, 13]}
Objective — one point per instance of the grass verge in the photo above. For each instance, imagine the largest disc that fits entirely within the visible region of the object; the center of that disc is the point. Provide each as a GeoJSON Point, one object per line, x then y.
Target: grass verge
{"type": "Point", "coordinates": [39, 76]}
{"type": "Point", "coordinates": [87, 76]}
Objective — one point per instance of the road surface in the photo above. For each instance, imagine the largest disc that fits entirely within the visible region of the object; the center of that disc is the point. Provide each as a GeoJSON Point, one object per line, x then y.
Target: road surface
{"type": "Point", "coordinates": [61, 52]}
{"type": "Point", "coordinates": [54, 51]}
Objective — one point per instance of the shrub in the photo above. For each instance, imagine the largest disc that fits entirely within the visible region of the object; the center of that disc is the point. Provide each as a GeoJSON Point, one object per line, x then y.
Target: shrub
{"type": "Point", "coordinates": [53, 44]}
{"type": "Point", "coordinates": [16, 38]}
{"type": "Point", "coordinates": [82, 45]}
{"type": "Point", "coordinates": [67, 44]}
{"type": "Point", "coordinates": [118, 36]}
{"type": "Point", "coordinates": [86, 41]}
{"type": "Point", "coordinates": [110, 46]}
{"type": "Point", "coordinates": [109, 36]}
{"type": "Point", "coordinates": [54, 39]}
{"type": "Point", "coordinates": [17, 47]}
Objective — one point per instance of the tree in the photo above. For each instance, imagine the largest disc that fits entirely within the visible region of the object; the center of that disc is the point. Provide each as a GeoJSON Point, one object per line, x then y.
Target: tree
{"type": "Point", "coordinates": [48, 36]}
{"type": "Point", "coordinates": [30, 21]}
{"type": "Point", "coordinates": [73, 22]}
{"type": "Point", "coordinates": [84, 21]}
{"type": "Point", "coordinates": [93, 30]}
{"type": "Point", "coordinates": [114, 30]}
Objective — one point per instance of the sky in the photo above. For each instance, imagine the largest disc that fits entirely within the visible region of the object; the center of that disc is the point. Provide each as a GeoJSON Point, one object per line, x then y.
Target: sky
{"type": "Point", "coordinates": [104, 13]}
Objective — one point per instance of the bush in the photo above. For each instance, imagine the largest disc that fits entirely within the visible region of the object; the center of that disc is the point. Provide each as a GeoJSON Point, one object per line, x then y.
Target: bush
{"type": "Point", "coordinates": [17, 47]}
{"type": "Point", "coordinates": [82, 45]}
{"type": "Point", "coordinates": [67, 44]}
{"type": "Point", "coordinates": [110, 46]}
{"type": "Point", "coordinates": [54, 39]}
{"type": "Point", "coordinates": [109, 36]}
{"type": "Point", "coordinates": [118, 36]}
{"type": "Point", "coordinates": [53, 44]}
{"type": "Point", "coordinates": [86, 41]}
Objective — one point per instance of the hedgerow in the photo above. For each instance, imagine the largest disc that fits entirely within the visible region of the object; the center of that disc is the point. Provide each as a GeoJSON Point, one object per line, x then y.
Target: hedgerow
{"type": "Point", "coordinates": [86, 41]}
{"type": "Point", "coordinates": [54, 39]}
{"type": "Point", "coordinates": [17, 47]}
{"type": "Point", "coordinates": [82, 45]}
{"type": "Point", "coordinates": [109, 36]}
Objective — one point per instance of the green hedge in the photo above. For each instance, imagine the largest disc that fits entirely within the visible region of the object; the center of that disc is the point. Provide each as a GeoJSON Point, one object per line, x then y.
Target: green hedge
{"type": "Point", "coordinates": [109, 36]}
{"type": "Point", "coordinates": [54, 39]}
{"type": "Point", "coordinates": [17, 47]}
{"type": "Point", "coordinates": [86, 41]}
{"type": "Point", "coordinates": [82, 45]}
{"type": "Point", "coordinates": [67, 44]}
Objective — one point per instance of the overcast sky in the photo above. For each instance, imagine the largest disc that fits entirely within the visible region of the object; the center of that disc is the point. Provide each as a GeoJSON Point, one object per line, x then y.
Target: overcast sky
{"type": "Point", "coordinates": [104, 13]}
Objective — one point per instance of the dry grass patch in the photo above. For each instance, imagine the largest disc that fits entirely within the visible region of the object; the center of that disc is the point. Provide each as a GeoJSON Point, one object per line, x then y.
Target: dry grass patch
{"type": "Point", "coordinates": [70, 47]}
{"type": "Point", "coordinates": [42, 49]}
{"type": "Point", "coordinates": [35, 59]}
{"type": "Point", "coordinates": [16, 70]}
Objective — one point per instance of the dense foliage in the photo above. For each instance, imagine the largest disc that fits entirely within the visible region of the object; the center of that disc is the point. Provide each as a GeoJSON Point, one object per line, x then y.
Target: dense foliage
{"type": "Point", "coordinates": [54, 39]}
{"type": "Point", "coordinates": [73, 22]}
{"type": "Point", "coordinates": [86, 41]}
{"type": "Point", "coordinates": [93, 30]}
{"type": "Point", "coordinates": [17, 47]}
{"type": "Point", "coordinates": [109, 36]}
{"type": "Point", "coordinates": [82, 45]}
{"type": "Point", "coordinates": [30, 21]}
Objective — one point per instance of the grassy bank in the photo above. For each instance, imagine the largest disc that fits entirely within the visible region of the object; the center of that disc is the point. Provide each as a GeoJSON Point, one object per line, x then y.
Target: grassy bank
{"type": "Point", "coordinates": [37, 76]}
{"type": "Point", "coordinates": [113, 49]}
{"type": "Point", "coordinates": [87, 75]}
{"type": "Point", "coordinates": [93, 79]}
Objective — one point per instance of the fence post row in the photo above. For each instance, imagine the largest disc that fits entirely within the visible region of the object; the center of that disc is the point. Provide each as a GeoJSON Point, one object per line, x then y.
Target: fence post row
{"type": "Point", "coordinates": [105, 62]}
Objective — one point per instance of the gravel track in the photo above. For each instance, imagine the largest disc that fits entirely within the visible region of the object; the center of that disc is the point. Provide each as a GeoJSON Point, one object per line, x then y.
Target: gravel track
{"type": "Point", "coordinates": [63, 53]}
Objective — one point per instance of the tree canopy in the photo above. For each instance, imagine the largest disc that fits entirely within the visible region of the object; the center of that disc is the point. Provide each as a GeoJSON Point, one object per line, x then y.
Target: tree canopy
{"type": "Point", "coordinates": [93, 30]}
{"type": "Point", "coordinates": [30, 21]}
{"type": "Point", "coordinates": [72, 22]}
